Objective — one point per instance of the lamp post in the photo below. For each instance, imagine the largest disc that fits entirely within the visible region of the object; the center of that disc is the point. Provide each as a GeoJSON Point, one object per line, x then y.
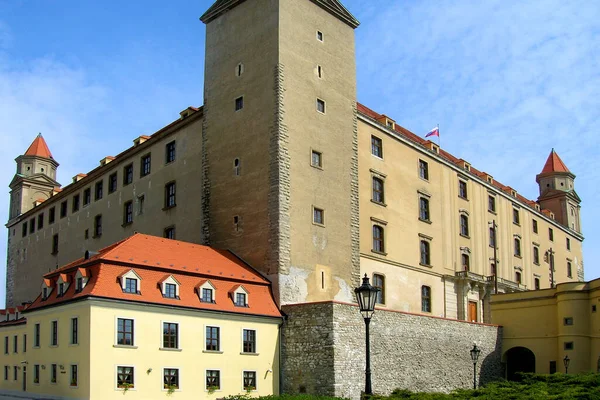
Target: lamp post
{"type": "Point", "coordinates": [566, 361]}
{"type": "Point", "coordinates": [366, 295]}
{"type": "Point", "coordinates": [474, 357]}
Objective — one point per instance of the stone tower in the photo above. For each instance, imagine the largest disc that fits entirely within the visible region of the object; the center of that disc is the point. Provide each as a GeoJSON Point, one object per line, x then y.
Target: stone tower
{"type": "Point", "coordinates": [280, 150]}
{"type": "Point", "coordinates": [35, 178]}
{"type": "Point", "coordinates": [557, 192]}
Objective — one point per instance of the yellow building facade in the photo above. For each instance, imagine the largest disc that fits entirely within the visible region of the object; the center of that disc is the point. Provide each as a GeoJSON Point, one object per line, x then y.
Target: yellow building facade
{"type": "Point", "coordinates": [541, 328]}
{"type": "Point", "coordinates": [148, 327]}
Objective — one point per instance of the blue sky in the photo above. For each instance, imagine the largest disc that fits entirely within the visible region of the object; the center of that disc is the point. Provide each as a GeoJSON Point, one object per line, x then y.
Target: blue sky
{"type": "Point", "coordinates": [506, 82]}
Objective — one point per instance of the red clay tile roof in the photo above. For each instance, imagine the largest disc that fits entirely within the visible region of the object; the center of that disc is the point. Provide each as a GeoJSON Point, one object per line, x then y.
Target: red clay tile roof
{"type": "Point", "coordinates": [152, 258]}
{"type": "Point", "coordinates": [554, 164]}
{"type": "Point", "coordinates": [39, 148]}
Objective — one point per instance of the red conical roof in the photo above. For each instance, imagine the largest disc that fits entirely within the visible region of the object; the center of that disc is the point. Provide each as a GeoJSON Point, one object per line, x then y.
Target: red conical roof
{"type": "Point", "coordinates": [554, 164]}
{"type": "Point", "coordinates": [39, 148]}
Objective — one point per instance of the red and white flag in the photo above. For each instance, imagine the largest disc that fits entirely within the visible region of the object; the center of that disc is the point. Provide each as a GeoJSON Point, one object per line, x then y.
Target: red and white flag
{"type": "Point", "coordinates": [434, 132]}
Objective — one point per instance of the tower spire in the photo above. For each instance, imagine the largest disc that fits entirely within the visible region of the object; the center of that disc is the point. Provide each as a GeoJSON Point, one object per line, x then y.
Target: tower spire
{"type": "Point", "coordinates": [39, 148]}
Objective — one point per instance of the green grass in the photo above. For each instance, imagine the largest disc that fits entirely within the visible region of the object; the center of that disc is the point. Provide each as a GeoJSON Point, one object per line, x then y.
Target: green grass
{"type": "Point", "coordinates": [529, 387]}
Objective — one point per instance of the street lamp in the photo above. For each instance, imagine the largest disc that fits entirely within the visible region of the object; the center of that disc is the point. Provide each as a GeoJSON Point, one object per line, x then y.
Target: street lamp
{"type": "Point", "coordinates": [566, 361]}
{"type": "Point", "coordinates": [475, 356]}
{"type": "Point", "coordinates": [366, 295]}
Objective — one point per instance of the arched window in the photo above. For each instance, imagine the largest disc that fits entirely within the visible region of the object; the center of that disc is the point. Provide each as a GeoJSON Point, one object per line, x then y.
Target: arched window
{"type": "Point", "coordinates": [378, 190]}
{"type": "Point", "coordinates": [517, 247]}
{"type": "Point", "coordinates": [425, 255]}
{"type": "Point", "coordinates": [464, 225]}
{"type": "Point", "coordinates": [378, 244]}
{"type": "Point", "coordinates": [425, 299]}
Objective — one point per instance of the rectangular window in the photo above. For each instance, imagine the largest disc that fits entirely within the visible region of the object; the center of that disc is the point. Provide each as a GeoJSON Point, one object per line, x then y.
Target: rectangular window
{"type": "Point", "coordinates": [112, 183]}
{"type": "Point", "coordinates": [55, 243]}
{"type": "Point", "coordinates": [53, 373]}
{"type": "Point", "coordinates": [170, 335]}
{"type": "Point", "coordinates": [249, 380]}
{"type": "Point", "coordinates": [321, 106]}
{"type": "Point", "coordinates": [124, 332]}
{"type": "Point", "coordinates": [15, 373]}
{"type": "Point", "coordinates": [569, 270]}
{"type": "Point", "coordinates": [32, 225]}
{"type": "Point", "coordinates": [568, 243]}
{"type": "Point", "coordinates": [316, 159]}
{"type": "Point", "coordinates": [171, 378]}
{"type": "Point", "coordinates": [240, 300]}
{"type": "Point", "coordinates": [61, 289]}
{"type": "Point", "coordinates": [518, 277]}
{"type": "Point", "coordinates": [423, 209]}
{"type": "Point", "coordinates": [79, 284]}
{"type": "Point", "coordinates": [379, 283]}
{"type": "Point", "coordinates": [141, 204]}
{"type": "Point", "coordinates": [517, 247]}
{"type": "Point", "coordinates": [550, 234]}
{"type": "Point", "coordinates": [249, 341]}
{"type": "Point", "coordinates": [464, 225]}
{"type": "Point", "coordinates": [98, 191]}
{"type": "Point", "coordinates": [536, 255]}
{"type": "Point", "coordinates": [6, 369]}
{"type": "Point", "coordinates": [41, 221]}
{"type": "Point", "coordinates": [145, 165]}
{"type": "Point", "coordinates": [5, 344]}
{"type": "Point", "coordinates": [239, 103]}
{"type": "Point", "coordinates": [98, 225]}
{"type": "Point", "coordinates": [127, 213]}
{"type": "Point", "coordinates": [128, 174]}
{"type": "Point", "coordinates": [569, 346]}
{"type": "Point", "coordinates": [36, 373]}
{"type": "Point", "coordinates": [75, 204]}
{"type": "Point", "coordinates": [378, 191]}
{"type": "Point", "coordinates": [462, 189]}
{"type": "Point", "coordinates": [15, 344]}
{"type": "Point", "coordinates": [423, 170]}
{"type": "Point", "coordinates": [125, 377]}
{"type": "Point", "coordinates": [170, 290]}
{"type": "Point", "coordinates": [376, 146]}
{"type": "Point", "coordinates": [568, 321]}
{"type": "Point", "coordinates": [534, 226]}
{"type": "Point", "coordinates": [378, 242]}
{"type": "Point", "coordinates": [466, 262]}
{"type": "Point", "coordinates": [492, 203]}
{"type": "Point", "coordinates": [552, 367]}
{"type": "Point", "coordinates": [318, 216]}
{"type": "Point", "coordinates": [492, 237]}
{"type": "Point", "coordinates": [36, 335]}
{"type": "Point", "coordinates": [170, 195]}
{"type": "Point", "coordinates": [425, 299]}
{"type": "Point", "coordinates": [24, 343]}
{"type": "Point", "coordinates": [131, 285]}
{"type": "Point", "coordinates": [319, 36]}
{"type": "Point", "coordinates": [74, 375]}
{"type": "Point", "coordinates": [74, 330]}
{"type": "Point", "coordinates": [212, 338]}
{"type": "Point", "coordinates": [87, 196]}
{"type": "Point", "coordinates": [169, 232]}
{"type": "Point", "coordinates": [213, 380]}
{"type": "Point", "coordinates": [425, 253]}
{"type": "Point", "coordinates": [54, 333]}
{"type": "Point", "coordinates": [24, 231]}
{"type": "Point", "coordinates": [63, 209]}
{"type": "Point", "coordinates": [51, 215]}
{"type": "Point", "coordinates": [170, 152]}
{"type": "Point", "coordinates": [516, 219]}
{"type": "Point", "coordinates": [207, 295]}
{"type": "Point", "coordinates": [536, 283]}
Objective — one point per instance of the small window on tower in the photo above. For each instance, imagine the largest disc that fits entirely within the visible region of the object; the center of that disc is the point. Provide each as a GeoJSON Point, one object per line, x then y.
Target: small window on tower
{"type": "Point", "coordinates": [321, 106]}
{"type": "Point", "coordinates": [236, 167]}
{"type": "Point", "coordinates": [319, 36]}
{"type": "Point", "coordinates": [239, 69]}
{"type": "Point", "coordinates": [239, 103]}
{"type": "Point", "coordinates": [319, 71]}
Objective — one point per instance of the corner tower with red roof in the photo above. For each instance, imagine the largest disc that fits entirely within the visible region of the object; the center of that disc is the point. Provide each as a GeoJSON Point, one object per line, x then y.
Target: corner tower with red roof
{"type": "Point", "coordinates": [35, 179]}
{"type": "Point", "coordinates": [557, 192]}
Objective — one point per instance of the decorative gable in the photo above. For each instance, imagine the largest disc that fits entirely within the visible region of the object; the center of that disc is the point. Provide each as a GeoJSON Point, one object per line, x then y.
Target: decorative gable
{"type": "Point", "coordinates": [62, 284]}
{"type": "Point", "coordinates": [47, 286]}
{"type": "Point", "coordinates": [130, 282]}
{"type": "Point", "coordinates": [239, 295]}
{"type": "Point", "coordinates": [206, 291]}
{"type": "Point", "coordinates": [169, 287]}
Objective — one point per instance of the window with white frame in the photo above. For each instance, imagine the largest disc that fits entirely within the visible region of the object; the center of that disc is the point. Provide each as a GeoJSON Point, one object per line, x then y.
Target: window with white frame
{"type": "Point", "coordinates": [130, 282]}
{"type": "Point", "coordinates": [240, 296]}
{"type": "Point", "coordinates": [206, 292]}
{"type": "Point", "coordinates": [75, 330]}
{"type": "Point", "coordinates": [170, 335]}
{"type": "Point", "coordinates": [249, 378]}
{"type": "Point", "coordinates": [170, 287]}
{"type": "Point", "coordinates": [212, 339]}
{"type": "Point", "coordinates": [125, 332]}
{"type": "Point", "coordinates": [53, 333]}
{"type": "Point", "coordinates": [171, 378]}
{"type": "Point", "coordinates": [125, 377]}
{"type": "Point", "coordinates": [213, 379]}
{"type": "Point", "coordinates": [74, 375]}
{"type": "Point", "coordinates": [249, 341]}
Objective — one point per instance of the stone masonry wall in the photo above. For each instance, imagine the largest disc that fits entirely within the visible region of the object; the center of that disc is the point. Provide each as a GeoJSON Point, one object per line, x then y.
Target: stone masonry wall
{"type": "Point", "coordinates": [408, 351]}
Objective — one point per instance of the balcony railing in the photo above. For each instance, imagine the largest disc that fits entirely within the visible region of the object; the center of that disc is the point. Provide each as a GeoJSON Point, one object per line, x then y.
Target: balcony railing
{"type": "Point", "coordinates": [507, 283]}
{"type": "Point", "coordinates": [470, 275]}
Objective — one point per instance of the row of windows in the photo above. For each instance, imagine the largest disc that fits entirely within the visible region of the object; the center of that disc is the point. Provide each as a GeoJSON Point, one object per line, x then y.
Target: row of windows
{"type": "Point", "coordinates": [145, 169]}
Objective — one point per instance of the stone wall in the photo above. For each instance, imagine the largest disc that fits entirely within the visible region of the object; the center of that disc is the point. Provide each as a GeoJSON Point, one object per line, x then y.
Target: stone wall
{"type": "Point", "coordinates": [324, 351]}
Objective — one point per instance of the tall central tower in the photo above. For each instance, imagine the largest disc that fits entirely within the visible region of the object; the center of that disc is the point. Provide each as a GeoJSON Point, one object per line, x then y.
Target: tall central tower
{"type": "Point", "coordinates": [280, 143]}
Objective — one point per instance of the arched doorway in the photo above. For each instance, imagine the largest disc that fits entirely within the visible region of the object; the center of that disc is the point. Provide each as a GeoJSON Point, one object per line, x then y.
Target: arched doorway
{"type": "Point", "coordinates": [519, 359]}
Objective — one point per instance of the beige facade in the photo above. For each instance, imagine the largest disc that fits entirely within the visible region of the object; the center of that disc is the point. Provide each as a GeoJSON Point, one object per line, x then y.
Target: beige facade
{"type": "Point", "coordinates": [542, 327]}
{"type": "Point", "coordinates": [275, 167]}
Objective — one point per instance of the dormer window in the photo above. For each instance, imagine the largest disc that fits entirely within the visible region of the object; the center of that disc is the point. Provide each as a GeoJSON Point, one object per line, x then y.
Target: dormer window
{"type": "Point", "coordinates": [130, 282]}
{"type": "Point", "coordinates": [170, 287]}
{"type": "Point", "coordinates": [46, 288]}
{"type": "Point", "coordinates": [79, 284]}
{"type": "Point", "coordinates": [81, 279]}
{"type": "Point", "coordinates": [44, 296]}
{"type": "Point", "coordinates": [61, 289]}
{"type": "Point", "coordinates": [206, 292]}
{"type": "Point", "coordinates": [240, 300]}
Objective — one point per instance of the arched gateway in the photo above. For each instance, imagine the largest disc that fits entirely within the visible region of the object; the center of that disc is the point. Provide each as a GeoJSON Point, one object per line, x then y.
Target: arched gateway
{"type": "Point", "coordinates": [518, 359]}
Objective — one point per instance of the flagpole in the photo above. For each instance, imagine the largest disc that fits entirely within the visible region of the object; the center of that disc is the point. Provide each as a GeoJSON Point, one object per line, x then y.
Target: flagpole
{"type": "Point", "coordinates": [439, 136]}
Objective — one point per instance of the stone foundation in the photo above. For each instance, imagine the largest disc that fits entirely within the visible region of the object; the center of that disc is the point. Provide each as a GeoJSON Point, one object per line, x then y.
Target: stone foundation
{"type": "Point", "coordinates": [323, 348]}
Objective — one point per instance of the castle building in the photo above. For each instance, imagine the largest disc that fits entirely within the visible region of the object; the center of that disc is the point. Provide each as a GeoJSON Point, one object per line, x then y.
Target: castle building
{"type": "Point", "coordinates": [285, 168]}
{"type": "Point", "coordinates": [148, 316]}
